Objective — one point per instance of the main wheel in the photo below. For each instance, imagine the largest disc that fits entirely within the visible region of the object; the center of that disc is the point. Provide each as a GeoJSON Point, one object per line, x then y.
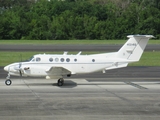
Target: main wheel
{"type": "Point", "coordinates": [60, 82]}
{"type": "Point", "coordinates": [8, 82]}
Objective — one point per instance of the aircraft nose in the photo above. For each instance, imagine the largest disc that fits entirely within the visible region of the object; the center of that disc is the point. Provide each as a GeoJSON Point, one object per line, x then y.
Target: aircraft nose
{"type": "Point", "coordinates": [6, 68]}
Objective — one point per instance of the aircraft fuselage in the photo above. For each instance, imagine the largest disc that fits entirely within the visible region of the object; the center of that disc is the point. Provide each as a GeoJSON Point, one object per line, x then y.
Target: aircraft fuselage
{"type": "Point", "coordinates": [80, 64]}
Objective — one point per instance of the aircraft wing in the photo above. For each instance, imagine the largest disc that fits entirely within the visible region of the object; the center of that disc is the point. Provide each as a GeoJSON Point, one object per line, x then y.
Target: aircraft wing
{"type": "Point", "coordinates": [58, 71]}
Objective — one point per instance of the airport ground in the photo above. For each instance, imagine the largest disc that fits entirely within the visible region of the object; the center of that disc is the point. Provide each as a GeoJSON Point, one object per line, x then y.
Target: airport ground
{"type": "Point", "coordinates": [131, 93]}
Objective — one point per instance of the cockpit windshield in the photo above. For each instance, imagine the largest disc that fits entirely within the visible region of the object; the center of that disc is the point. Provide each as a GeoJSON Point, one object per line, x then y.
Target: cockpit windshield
{"type": "Point", "coordinates": [30, 59]}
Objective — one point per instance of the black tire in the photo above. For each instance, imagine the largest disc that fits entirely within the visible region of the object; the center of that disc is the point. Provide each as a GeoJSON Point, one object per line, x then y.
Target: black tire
{"type": "Point", "coordinates": [60, 82]}
{"type": "Point", "coordinates": [8, 82]}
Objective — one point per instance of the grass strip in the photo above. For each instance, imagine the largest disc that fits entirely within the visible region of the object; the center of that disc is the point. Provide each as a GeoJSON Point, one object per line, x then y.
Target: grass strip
{"type": "Point", "coordinates": [54, 42]}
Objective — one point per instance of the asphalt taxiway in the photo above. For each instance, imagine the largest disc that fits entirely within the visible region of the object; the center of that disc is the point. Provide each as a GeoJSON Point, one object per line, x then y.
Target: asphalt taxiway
{"type": "Point", "coordinates": [121, 94]}
{"type": "Point", "coordinates": [38, 99]}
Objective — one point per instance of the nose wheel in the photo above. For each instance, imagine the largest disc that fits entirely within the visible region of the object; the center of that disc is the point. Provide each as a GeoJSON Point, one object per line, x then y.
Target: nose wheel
{"type": "Point", "coordinates": [8, 82]}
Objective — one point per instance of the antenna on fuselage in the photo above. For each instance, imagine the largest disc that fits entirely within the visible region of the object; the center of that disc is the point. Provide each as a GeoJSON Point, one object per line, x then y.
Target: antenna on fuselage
{"type": "Point", "coordinates": [21, 57]}
{"type": "Point", "coordinates": [79, 53]}
{"type": "Point", "coordinates": [65, 53]}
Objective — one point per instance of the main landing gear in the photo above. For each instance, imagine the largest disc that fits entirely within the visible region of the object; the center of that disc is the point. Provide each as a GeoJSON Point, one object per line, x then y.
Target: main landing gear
{"type": "Point", "coordinates": [8, 81]}
{"type": "Point", "coordinates": [60, 82]}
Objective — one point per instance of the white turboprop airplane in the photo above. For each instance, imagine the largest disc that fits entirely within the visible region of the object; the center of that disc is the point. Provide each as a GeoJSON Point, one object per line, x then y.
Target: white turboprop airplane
{"type": "Point", "coordinates": [53, 66]}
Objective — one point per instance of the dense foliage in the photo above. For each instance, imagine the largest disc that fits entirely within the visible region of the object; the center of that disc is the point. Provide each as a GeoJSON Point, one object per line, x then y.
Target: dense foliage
{"type": "Point", "coordinates": [78, 19]}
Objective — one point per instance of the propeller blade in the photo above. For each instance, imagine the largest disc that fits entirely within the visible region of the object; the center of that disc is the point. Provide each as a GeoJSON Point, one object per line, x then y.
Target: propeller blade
{"type": "Point", "coordinates": [20, 72]}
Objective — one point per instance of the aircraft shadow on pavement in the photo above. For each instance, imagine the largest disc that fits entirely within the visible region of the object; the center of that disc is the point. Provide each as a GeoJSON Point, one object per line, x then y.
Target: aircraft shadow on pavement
{"type": "Point", "coordinates": [67, 84]}
{"type": "Point", "coordinates": [72, 84]}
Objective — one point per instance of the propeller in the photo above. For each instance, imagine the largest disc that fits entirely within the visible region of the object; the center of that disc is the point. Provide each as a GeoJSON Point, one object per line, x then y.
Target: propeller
{"type": "Point", "coordinates": [20, 72]}
{"type": "Point", "coordinates": [20, 64]}
{"type": "Point", "coordinates": [18, 68]}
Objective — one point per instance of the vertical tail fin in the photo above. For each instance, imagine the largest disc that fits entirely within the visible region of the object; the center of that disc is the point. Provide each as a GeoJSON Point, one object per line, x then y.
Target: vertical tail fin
{"type": "Point", "coordinates": [134, 47]}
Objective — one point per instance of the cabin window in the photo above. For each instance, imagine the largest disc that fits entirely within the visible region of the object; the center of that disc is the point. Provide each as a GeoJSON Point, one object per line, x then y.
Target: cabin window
{"type": "Point", "coordinates": [50, 59]}
{"type": "Point", "coordinates": [75, 60]}
{"type": "Point", "coordinates": [67, 59]}
{"type": "Point", "coordinates": [62, 59]}
{"type": "Point", "coordinates": [93, 60]}
{"type": "Point", "coordinates": [38, 59]}
{"type": "Point", "coordinates": [56, 59]}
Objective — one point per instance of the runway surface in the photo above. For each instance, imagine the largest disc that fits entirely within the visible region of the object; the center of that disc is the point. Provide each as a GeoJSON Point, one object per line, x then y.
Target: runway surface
{"type": "Point", "coordinates": [39, 99]}
{"type": "Point", "coordinates": [131, 93]}
{"type": "Point", "coordinates": [81, 47]}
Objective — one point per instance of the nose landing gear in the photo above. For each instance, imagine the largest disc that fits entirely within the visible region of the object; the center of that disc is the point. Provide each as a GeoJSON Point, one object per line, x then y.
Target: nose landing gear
{"type": "Point", "coordinates": [8, 81]}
